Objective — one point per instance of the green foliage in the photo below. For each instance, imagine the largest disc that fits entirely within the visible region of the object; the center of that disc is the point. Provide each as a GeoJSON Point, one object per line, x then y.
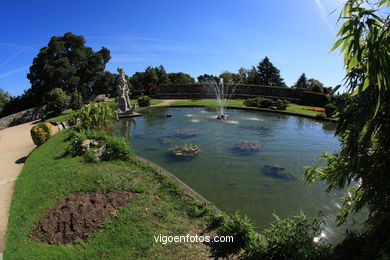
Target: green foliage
{"type": "Point", "coordinates": [267, 103]}
{"type": "Point", "coordinates": [268, 74]}
{"type": "Point", "coordinates": [239, 227]}
{"type": "Point", "coordinates": [330, 110]}
{"type": "Point", "coordinates": [41, 132]}
{"type": "Point", "coordinates": [143, 101]}
{"type": "Point", "coordinates": [57, 101]}
{"type": "Point", "coordinates": [185, 150]}
{"type": "Point", "coordinates": [197, 209]}
{"type": "Point", "coordinates": [301, 82]}
{"type": "Point", "coordinates": [116, 148]}
{"type": "Point", "coordinates": [89, 156]}
{"type": "Point", "coordinates": [207, 78]}
{"type": "Point", "coordinates": [315, 86]}
{"type": "Point", "coordinates": [76, 101]}
{"type": "Point", "coordinates": [364, 125]}
{"type": "Point", "coordinates": [292, 238]}
{"type": "Point", "coordinates": [94, 116]}
{"type": "Point", "coordinates": [230, 78]}
{"type": "Point", "coordinates": [4, 99]}
{"type": "Point", "coordinates": [180, 78]}
{"type": "Point", "coordinates": [68, 64]}
{"type": "Point", "coordinates": [314, 99]}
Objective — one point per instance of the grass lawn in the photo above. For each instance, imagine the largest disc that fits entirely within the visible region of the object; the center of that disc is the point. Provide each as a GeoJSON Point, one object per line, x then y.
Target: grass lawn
{"type": "Point", "coordinates": [292, 108]}
{"type": "Point", "coordinates": [49, 176]}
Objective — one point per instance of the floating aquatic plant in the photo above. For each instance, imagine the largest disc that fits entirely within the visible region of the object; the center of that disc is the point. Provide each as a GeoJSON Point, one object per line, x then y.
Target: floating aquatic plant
{"type": "Point", "coordinates": [247, 146]}
{"type": "Point", "coordinates": [185, 150]}
{"type": "Point", "coordinates": [187, 132]}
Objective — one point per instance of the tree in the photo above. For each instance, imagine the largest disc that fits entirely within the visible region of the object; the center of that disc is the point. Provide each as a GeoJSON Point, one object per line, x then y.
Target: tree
{"type": "Point", "coordinates": [58, 101]}
{"type": "Point", "coordinates": [206, 77]}
{"type": "Point", "coordinates": [301, 82]}
{"type": "Point", "coordinates": [105, 84]}
{"type": "Point", "coordinates": [180, 78]}
{"type": "Point", "coordinates": [68, 64]}
{"type": "Point", "coordinates": [76, 101]}
{"type": "Point", "coordinates": [230, 78]}
{"type": "Point", "coordinates": [363, 163]}
{"type": "Point", "coordinates": [4, 99]}
{"type": "Point", "coordinates": [252, 77]}
{"type": "Point", "coordinates": [154, 76]}
{"type": "Point", "coordinates": [315, 85]}
{"type": "Point", "coordinates": [268, 74]}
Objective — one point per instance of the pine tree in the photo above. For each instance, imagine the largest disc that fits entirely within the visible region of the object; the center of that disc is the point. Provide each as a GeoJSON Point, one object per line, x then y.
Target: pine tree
{"type": "Point", "coordinates": [268, 74]}
{"type": "Point", "coordinates": [301, 82]}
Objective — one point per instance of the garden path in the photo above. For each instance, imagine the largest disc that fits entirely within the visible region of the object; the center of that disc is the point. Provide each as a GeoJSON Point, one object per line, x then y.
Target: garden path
{"type": "Point", "coordinates": [15, 146]}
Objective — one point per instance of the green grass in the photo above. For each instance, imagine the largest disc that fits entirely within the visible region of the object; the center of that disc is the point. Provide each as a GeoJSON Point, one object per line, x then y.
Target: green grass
{"type": "Point", "coordinates": [239, 103]}
{"type": "Point", "coordinates": [48, 176]}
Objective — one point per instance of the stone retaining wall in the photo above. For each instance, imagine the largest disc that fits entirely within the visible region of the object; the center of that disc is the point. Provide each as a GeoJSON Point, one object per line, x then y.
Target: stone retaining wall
{"type": "Point", "coordinates": [22, 117]}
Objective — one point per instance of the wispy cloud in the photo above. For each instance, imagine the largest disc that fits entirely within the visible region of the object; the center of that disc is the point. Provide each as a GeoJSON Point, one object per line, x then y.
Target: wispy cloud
{"type": "Point", "coordinates": [14, 71]}
{"type": "Point", "coordinates": [325, 16]}
{"type": "Point", "coordinates": [20, 51]}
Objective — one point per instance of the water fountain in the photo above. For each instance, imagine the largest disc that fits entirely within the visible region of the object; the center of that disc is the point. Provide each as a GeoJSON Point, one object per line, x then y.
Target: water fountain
{"type": "Point", "coordinates": [222, 95]}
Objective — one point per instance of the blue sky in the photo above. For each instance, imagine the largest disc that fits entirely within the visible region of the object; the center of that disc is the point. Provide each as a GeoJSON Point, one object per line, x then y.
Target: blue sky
{"type": "Point", "coordinates": [195, 37]}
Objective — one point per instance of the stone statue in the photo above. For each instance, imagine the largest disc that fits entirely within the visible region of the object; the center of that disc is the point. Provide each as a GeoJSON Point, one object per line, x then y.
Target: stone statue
{"type": "Point", "coordinates": [124, 106]}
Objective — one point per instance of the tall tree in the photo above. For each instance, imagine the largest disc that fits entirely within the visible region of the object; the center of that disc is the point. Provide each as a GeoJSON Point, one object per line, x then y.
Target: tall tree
{"type": "Point", "coordinates": [68, 64]}
{"type": "Point", "coordinates": [315, 85]}
{"type": "Point", "coordinates": [363, 163]}
{"type": "Point", "coordinates": [301, 82]}
{"type": "Point", "coordinates": [207, 77]}
{"type": "Point", "coordinates": [4, 99]}
{"type": "Point", "coordinates": [268, 74]}
{"type": "Point", "coordinates": [180, 78]}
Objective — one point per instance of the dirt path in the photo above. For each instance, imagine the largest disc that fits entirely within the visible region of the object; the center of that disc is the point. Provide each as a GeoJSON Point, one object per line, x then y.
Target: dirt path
{"type": "Point", "coordinates": [167, 102]}
{"type": "Point", "coordinates": [15, 145]}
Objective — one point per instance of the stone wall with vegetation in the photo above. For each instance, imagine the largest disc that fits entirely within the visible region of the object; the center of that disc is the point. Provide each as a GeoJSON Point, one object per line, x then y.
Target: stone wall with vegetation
{"type": "Point", "coordinates": [22, 117]}
{"type": "Point", "coordinates": [240, 91]}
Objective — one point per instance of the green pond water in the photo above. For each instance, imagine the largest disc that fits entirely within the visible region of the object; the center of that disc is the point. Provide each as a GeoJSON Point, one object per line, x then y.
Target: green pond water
{"type": "Point", "coordinates": [241, 181]}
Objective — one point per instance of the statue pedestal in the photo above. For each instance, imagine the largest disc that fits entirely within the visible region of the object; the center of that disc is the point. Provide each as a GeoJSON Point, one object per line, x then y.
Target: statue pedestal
{"type": "Point", "coordinates": [128, 114]}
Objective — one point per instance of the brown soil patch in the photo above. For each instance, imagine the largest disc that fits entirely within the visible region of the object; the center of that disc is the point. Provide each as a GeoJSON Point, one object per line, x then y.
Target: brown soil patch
{"type": "Point", "coordinates": [78, 215]}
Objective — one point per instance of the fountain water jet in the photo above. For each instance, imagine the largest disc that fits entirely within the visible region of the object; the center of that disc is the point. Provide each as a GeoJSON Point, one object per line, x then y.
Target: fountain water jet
{"type": "Point", "coordinates": [222, 95]}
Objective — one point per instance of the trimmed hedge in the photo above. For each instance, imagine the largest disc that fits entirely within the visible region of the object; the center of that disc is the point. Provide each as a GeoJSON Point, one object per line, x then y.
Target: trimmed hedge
{"type": "Point", "coordinates": [267, 103]}
{"type": "Point", "coordinates": [310, 98]}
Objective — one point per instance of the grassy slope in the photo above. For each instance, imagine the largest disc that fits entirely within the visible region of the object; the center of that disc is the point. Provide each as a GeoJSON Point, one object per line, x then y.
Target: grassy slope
{"type": "Point", "coordinates": [292, 108]}
{"type": "Point", "coordinates": [48, 177]}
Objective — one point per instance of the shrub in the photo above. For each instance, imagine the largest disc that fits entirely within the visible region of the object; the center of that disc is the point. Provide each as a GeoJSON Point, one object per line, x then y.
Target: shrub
{"type": "Point", "coordinates": [41, 132]}
{"type": "Point", "coordinates": [57, 101]}
{"type": "Point", "coordinates": [266, 103]}
{"type": "Point", "coordinates": [294, 239]}
{"type": "Point", "coordinates": [239, 227]}
{"type": "Point", "coordinates": [116, 148]}
{"type": "Point", "coordinates": [76, 101]}
{"type": "Point", "coordinates": [314, 99]}
{"type": "Point", "coordinates": [143, 101]}
{"type": "Point", "coordinates": [94, 116]}
{"type": "Point", "coordinates": [330, 110]}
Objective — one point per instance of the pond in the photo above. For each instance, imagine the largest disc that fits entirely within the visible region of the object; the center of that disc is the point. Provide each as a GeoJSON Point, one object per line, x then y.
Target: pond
{"type": "Point", "coordinates": [264, 180]}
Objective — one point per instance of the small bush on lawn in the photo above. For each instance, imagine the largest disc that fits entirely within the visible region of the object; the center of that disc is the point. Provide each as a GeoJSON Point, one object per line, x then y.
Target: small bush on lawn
{"type": "Point", "coordinates": [57, 101]}
{"type": "Point", "coordinates": [94, 116]}
{"type": "Point", "coordinates": [310, 98]}
{"type": "Point", "coordinates": [143, 101]}
{"type": "Point", "coordinates": [330, 110]}
{"type": "Point", "coordinates": [41, 132]}
{"type": "Point", "coordinates": [76, 101]}
{"type": "Point", "coordinates": [266, 103]}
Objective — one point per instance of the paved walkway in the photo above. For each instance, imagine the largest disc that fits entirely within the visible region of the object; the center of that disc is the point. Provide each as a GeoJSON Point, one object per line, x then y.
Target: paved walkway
{"type": "Point", "coordinates": [15, 145]}
{"type": "Point", "coordinates": [166, 102]}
